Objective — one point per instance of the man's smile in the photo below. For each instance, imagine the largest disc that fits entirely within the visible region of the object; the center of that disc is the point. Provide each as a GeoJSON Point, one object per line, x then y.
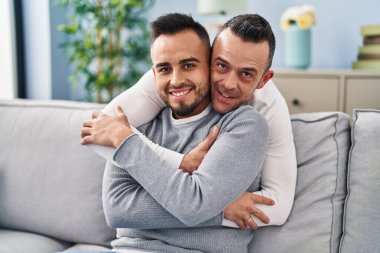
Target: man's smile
{"type": "Point", "coordinates": [180, 93]}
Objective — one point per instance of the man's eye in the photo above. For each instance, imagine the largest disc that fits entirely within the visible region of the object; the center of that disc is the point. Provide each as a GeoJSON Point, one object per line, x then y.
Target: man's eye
{"type": "Point", "coordinates": [246, 74]}
{"type": "Point", "coordinates": [221, 65]}
{"type": "Point", "coordinates": [163, 70]}
{"type": "Point", "coordinates": [188, 66]}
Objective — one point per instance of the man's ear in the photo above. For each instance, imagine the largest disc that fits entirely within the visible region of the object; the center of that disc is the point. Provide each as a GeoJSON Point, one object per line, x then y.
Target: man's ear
{"type": "Point", "coordinates": [154, 72]}
{"type": "Point", "coordinates": [267, 76]}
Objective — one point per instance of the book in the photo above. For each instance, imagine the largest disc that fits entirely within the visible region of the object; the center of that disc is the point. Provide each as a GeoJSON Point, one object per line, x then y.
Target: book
{"type": "Point", "coordinates": [372, 40]}
{"type": "Point", "coordinates": [369, 57]}
{"type": "Point", "coordinates": [366, 64]}
{"type": "Point", "coordinates": [370, 30]}
{"type": "Point", "coordinates": [369, 49]}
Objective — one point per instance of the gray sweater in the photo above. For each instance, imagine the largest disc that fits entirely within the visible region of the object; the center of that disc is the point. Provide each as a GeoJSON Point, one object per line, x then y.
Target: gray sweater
{"type": "Point", "coordinates": [162, 209]}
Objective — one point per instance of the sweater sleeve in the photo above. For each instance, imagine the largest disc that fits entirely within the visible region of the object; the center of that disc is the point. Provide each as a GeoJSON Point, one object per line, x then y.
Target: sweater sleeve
{"type": "Point", "coordinates": [141, 103]}
{"type": "Point", "coordinates": [279, 176]}
{"type": "Point", "coordinates": [128, 205]}
{"type": "Point", "coordinates": [226, 172]}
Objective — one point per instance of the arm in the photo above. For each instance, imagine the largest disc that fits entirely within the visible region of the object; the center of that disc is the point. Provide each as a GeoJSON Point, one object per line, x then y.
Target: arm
{"type": "Point", "coordinates": [278, 179]}
{"type": "Point", "coordinates": [141, 103]}
{"type": "Point", "coordinates": [225, 173]}
{"type": "Point", "coordinates": [128, 205]}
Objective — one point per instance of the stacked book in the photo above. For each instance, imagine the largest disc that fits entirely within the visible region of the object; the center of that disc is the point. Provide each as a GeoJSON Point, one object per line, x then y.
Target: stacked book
{"type": "Point", "coordinates": [369, 53]}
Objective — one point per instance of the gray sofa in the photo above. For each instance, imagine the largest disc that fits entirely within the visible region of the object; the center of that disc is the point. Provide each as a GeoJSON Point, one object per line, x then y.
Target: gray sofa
{"type": "Point", "coordinates": [50, 186]}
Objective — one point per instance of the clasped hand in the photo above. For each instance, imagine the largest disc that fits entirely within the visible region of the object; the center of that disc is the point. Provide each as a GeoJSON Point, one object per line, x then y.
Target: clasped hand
{"type": "Point", "coordinates": [106, 130]}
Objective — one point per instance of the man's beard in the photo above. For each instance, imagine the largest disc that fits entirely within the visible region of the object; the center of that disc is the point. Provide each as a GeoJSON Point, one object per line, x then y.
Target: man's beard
{"type": "Point", "coordinates": [183, 109]}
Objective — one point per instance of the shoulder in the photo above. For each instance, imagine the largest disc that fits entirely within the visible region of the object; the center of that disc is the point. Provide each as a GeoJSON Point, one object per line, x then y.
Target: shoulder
{"type": "Point", "coordinates": [270, 103]}
{"type": "Point", "coordinates": [245, 118]}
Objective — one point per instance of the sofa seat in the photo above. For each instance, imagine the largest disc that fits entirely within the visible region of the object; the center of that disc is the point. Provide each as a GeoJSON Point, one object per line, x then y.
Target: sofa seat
{"type": "Point", "coordinates": [24, 242]}
{"type": "Point", "coordinates": [50, 185]}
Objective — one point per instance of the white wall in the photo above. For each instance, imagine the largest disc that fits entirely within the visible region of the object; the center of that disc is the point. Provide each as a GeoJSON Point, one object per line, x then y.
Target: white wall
{"type": "Point", "coordinates": [36, 22]}
{"type": "Point", "coordinates": [7, 51]}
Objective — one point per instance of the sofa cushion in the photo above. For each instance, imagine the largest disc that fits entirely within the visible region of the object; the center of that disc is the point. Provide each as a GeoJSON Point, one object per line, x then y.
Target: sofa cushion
{"type": "Point", "coordinates": [23, 242]}
{"type": "Point", "coordinates": [49, 183]}
{"type": "Point", "coordinates": [87, 248]}
{"type": "Point", "coordinates": [361, 231]}
{"type": "Point", "coordinates": [322, 141]}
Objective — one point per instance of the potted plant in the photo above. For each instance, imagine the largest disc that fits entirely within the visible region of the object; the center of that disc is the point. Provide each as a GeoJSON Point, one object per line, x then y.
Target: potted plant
{"type": "Point", "coordinates": [107, 44]}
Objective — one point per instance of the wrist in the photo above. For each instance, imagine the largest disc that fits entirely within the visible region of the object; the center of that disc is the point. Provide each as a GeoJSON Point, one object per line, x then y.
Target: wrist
{"type": "Point", "coordinates": [119, 138]}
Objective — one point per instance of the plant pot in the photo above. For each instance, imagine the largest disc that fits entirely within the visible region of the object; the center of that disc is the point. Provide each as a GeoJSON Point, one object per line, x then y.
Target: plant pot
{"type": "Point", "coordinates": [297, 47]}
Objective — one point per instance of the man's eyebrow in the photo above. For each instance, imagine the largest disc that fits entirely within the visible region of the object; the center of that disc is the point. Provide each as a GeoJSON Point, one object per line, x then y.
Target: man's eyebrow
{"type": "Point", "coordinates": [222, 60]}
{"type": "Point", "coordinates": [162, 64]}
{"type": "Point", "coordinates": [249, 69]}
{"type": "Point", "coordinates": [242, 69]}
{"type": "Point", "coordinates": [190, 59]}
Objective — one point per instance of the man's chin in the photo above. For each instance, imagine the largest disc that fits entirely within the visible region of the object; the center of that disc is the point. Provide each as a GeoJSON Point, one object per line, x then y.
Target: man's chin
{"type": "Point", "coordinates": [182, 110]}
{"type": "Point", "coordinates": [222, 108]}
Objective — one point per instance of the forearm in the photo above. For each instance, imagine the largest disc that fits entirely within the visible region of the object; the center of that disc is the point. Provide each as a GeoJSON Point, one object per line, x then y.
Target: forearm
{"type": "Point", "coordinates": [128, 205]}
{"type": "Point", "coordinates": [172, 158]}
{"type": "Point", "coordinates": [278, 182]}
{"type": "Point", "coordinates": [141, 103]}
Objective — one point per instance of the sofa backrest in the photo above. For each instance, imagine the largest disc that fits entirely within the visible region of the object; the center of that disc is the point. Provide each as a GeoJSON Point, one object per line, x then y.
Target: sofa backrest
{"type": "Point", "coordinates": [361, 228]}
{"type": "Point", "coordinates": [49, 183]}
{"type": "Point", "coordinates": [322, 141]}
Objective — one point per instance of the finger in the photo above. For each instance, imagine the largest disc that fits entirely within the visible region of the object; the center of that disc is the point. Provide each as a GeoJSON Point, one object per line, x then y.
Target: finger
{"type": "Point", "coordinates": [85, 131]}
{"type": "Point", "coordinates": [252, 224]}
{"type": "Point", "coordinates": [261, 215]}
{"type": "Point", "coordinates": [249, 223]}
{"type": "Point", "coordinates": [207, 143]}
{"type": "Point", "coordinates": [262, 200]}
{"type": "Point", "coordinates": [241, 224]}
{"type": "Point", "coordinates": [95, 114]}
{"type": "Point", "coordinates": [119, 111]}
{"type": "Point", "coordinates": [86, 140]}
{"type": "Point", "coordinates": [87, 123]}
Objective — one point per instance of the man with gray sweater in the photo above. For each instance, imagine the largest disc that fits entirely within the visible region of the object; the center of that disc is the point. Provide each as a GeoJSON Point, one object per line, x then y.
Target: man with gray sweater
{"type": "Point", "coordinates": [155, 206]}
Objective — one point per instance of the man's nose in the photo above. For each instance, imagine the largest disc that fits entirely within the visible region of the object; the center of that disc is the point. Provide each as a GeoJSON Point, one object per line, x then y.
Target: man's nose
{"type": "Point", "coordinates": [231, 81]}
{"type": "Point", "coordinates": [177, 78]}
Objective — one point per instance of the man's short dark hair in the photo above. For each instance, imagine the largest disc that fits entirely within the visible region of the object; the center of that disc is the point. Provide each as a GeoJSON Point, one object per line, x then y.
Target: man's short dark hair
{"type": "Point", "coordinates": [253, 28]}
{"type": "Point", "coordinates": [177, 22]}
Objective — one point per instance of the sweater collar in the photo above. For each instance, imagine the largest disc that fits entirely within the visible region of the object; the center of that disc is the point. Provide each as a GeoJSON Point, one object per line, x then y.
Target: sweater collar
{"type": "Point", "coordinates": [206, 111]}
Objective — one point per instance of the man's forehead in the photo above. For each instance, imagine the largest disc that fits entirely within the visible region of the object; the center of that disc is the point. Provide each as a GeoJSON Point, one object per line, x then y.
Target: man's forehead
{"type": "Point", "coordinates": [234, 50]}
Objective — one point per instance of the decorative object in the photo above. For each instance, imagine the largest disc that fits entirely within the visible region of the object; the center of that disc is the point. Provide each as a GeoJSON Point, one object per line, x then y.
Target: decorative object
{"type": "Point", "coordinates": [221, 7]}
{"type": "Point", "coordinates": [296, 23]}
{"type": "Point", "coordinates": [369, 53]}
{"type": "Point", "coordinates": [107, 43]}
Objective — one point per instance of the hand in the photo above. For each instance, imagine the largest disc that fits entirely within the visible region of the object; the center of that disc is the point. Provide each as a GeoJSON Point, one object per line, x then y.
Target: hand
{"type": "Point", "coordinates": [241, 210]}
{"type": "Point", "coordinates": [106, 130]}
{"type": "Point", "coordinates": [194, 157]}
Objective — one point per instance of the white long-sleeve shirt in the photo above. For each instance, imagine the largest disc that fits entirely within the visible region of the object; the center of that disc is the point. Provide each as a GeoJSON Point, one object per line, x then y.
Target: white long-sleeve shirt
{"type": "Point", "coordinates": [142, 103]}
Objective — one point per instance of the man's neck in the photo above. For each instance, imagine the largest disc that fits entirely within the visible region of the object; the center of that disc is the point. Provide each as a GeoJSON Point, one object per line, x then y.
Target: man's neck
{"type": "Point", "coordinates": [199, 109]}
{"type": "Point", "coordinates": [185, 120]}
